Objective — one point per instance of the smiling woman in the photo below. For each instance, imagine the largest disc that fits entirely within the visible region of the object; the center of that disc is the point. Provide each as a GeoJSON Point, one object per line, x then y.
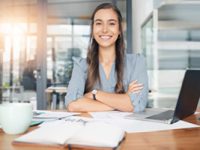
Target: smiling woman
{"type": "Point", "coordinates": [108, 79]}
{"type": "Point", "coordinates": [69, 38]}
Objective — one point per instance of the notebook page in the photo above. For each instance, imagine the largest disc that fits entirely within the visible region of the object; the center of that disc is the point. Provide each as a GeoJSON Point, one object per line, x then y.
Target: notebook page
{"type": "Point", "coordinates": [54, 133]}
{"type": "Point", "coordinates": [98, 134]}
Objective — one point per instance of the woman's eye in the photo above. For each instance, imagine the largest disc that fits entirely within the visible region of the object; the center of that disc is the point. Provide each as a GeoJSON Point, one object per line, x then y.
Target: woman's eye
{"type": "Point", "coordinates": [112, 23]}
{"type": "Point", "coordinates": [98, 23]}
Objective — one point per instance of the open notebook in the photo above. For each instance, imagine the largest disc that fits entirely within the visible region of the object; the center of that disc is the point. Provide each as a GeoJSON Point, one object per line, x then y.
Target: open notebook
{"type": "Point", "coordinates": [74, 131]}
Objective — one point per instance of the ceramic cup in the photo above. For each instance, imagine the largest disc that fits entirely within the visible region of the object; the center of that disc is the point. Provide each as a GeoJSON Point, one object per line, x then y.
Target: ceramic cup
{"type": "Point", "coordinates": [15, 118]}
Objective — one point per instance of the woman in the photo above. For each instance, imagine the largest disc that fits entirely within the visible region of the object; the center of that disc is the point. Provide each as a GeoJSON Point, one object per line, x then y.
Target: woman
{"type": "Point", "coordinates": [108, 79]}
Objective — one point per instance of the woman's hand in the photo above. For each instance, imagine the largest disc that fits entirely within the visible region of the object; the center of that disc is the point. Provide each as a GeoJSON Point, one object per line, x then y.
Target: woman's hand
{"type": "Point", "coordinates": [134, 87]}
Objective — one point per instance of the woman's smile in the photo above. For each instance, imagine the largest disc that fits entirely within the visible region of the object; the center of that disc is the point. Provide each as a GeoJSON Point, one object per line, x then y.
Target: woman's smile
{"type": "Point", "coordinates": [105, 37]}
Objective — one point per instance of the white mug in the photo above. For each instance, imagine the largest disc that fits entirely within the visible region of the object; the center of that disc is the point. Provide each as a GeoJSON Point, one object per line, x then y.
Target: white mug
{"type": "Point", "coordinates": [15, 118]}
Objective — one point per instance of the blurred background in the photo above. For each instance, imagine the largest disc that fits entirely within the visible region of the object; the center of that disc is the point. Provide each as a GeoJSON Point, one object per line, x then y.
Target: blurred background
{"type": "Point", "coordinates": [38, 39]}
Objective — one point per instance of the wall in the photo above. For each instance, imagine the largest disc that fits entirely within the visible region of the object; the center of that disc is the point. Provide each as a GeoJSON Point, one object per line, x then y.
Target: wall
{"type": "Point", "coordinates": [140, 10]}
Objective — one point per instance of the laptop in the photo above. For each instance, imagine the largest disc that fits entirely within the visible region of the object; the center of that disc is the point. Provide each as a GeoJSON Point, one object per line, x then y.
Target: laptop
{"type": "Point", "coordinates": [186, 105]}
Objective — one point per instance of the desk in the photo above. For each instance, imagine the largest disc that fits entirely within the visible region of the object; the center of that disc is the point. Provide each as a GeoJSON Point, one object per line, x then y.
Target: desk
{"type": "Point", "coordinates": [55, 97]}
{"type": "Point", "coordinates": [61, 90]}
{"type": "Point", "coordinates": [188, 139]}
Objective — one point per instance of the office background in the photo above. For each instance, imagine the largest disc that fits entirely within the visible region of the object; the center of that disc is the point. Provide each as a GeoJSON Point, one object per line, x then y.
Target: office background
{"type": "Point", "coordinates": [38, 39]}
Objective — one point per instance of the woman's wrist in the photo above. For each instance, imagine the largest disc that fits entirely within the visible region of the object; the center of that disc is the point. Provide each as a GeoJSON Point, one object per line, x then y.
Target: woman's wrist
{"type": "Point", "coordinates": [94, 93]}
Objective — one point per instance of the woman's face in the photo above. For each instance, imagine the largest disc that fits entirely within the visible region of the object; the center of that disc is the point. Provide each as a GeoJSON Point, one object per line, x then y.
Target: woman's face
{"type": "Point", "coordinates": [106, 28]}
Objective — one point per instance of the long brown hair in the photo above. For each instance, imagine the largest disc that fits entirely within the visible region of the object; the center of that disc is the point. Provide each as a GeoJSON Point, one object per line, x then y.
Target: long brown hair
{"type": "Point", "coordinates": [93, 50]}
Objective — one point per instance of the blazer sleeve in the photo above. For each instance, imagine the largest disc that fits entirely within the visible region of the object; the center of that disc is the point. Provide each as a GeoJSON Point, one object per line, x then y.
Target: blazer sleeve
{"type": "Point", "coordinates": [139, 73]}
{"type": "Point", "coordinates": [76, 85]}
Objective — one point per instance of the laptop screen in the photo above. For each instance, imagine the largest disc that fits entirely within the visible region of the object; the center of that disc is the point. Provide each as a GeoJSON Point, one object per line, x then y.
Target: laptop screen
{"type": "Point", "coordinates": [189, 95]}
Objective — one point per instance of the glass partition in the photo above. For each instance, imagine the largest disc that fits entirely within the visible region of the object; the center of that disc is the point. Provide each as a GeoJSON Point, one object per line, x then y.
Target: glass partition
{"type": "Point", "coordinates": [171, 47]}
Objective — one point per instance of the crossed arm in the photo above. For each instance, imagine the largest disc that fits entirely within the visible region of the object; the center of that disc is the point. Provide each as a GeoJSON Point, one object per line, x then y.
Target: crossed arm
{"type": "Point", "coordinates": [106, 101]}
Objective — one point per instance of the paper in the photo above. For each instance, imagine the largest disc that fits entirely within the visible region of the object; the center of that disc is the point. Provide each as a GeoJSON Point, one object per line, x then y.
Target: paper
{"type": "Point", "coordinates": [75, 130]}
{"type": "Point", "coordinates": [109, 114]}
{"type": "Point", "coordinates": [132, 125]}
{"type": "Point", "coordinates": [50, 115]}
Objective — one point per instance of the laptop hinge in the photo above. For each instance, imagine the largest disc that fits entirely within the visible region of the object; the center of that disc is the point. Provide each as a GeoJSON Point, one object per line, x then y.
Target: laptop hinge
{"type": "Point", "coordinates": [175, 119]}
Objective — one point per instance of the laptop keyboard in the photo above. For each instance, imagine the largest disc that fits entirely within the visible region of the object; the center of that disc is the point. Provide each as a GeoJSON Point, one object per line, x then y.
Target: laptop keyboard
{"type": "Point", "coordinates": [166, 115]}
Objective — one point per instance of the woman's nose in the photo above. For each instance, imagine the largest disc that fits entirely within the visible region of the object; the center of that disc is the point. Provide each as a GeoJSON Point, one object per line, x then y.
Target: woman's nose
{"type": "Point", "coordinates": [105, 28]}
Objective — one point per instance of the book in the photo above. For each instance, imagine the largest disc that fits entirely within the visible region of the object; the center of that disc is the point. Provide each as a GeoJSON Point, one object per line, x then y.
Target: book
{"type": "Point", "coordinates": [74, 131]}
